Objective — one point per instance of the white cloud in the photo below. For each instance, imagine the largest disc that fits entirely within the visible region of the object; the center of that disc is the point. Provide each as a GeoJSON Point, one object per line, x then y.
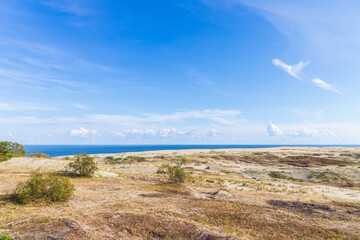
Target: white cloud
{"type": "Point", "coordinates": [273, 130]}
{"type": "Point", "coordinates": [167, 132]}
{"type": "Point", "coordinates": [164, 132]}
{"type": "Point", "coordinates": [211, 133]}
{"type": "Point", "coordinates": [82, 132]}
{"type": "Point", "coordinates": [326, 86]}
{"type": "Point", "coordinates": [81, 107]}
{"type": "Point", "coordinates": [304, 132]}
{"type": "Point", "coordinates": [293, 70]}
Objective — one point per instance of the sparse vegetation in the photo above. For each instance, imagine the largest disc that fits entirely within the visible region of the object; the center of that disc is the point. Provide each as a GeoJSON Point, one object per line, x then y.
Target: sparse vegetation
{"type": "Point", "coordinates": [5, 236]}
{"type": "Point", "coordinates": [48, 187]}
{"type": "Point", "coordinates": [11, 149]}
{"type": "Point", "coordinates": [113, 160]}
{"type": "Point", "coordinates": [240, 219]}
{"type": "Point", "coordinates": [82, 166]}
{"type": "Point", "coordinates": [39, 155]}
{"type": "Point", "coordinates": [133, 159]}
{"type": "Point", "coordinates": [176, 174]}
{"type": "Point", "coordinates": [217, 152]}
{"type": "Point", "coordinates": [222, 200]}
{"type": "Point", "coordinates": [327, 177]}
{"type": "Point", "coordinates": [280, 175]}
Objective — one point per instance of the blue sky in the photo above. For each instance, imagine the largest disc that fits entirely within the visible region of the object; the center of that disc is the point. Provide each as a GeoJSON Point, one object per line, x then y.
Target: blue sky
{"type": "Point", "coordinates": [180, 72]}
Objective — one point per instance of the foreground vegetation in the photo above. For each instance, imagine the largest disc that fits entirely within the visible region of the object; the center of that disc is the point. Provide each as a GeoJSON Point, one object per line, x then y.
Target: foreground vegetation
{"type": "Point", "coordinates": [200, 195]}
{"type": "Point", "coordinates": [49, 187]}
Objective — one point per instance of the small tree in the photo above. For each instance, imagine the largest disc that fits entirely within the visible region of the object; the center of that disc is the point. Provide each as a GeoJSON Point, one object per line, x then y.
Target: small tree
{"type": "Point", "coordinates": [82, 166]}
{"type": "Point", "coordinates": [11, 149]}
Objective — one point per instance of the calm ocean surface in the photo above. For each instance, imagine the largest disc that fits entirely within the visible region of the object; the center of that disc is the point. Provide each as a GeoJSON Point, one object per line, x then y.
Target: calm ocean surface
{"type": "Point", "coordinates": [61, 150]}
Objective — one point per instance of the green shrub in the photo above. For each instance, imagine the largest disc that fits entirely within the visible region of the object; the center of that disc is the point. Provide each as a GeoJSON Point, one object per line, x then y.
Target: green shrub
{"type": "Point", "coordinates": [11, 149]}
{"type": "Point", "coordinates": [39, 155]}
{"type": "Point", "coordinates": [48, 187]}
{"type": "Point", "coordinates": [67, 158]}
{"type": "Point", "coordinates": [82, 166]}
{"type": "Point", "coordinates": [5, 236]}
{"type": "Point", "coordinates": [278, 175]}
{"type": "Point", "coordinates": [328, 177]}
{"type": "Point", "coordinates": [112, 160]}
{"type": "Point", "coordinates": [133, 159]}
{"type": "Point", "coordinates": [176, 174]}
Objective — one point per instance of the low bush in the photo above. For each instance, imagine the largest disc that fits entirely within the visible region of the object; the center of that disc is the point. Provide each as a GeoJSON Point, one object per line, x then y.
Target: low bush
{"type": "Point", "coordinates": [176, 174]}
{"type": "Point", "coordinates": [133, 159]}
{"type": "Point", "coordinates": [112, 160]}
{"type": "Point", "coordinates": [48, 187]}
{"type": "Point", "coordinates": [39, 155]}
{"type": "Point", "coordinates": [82, 166]}
{"type": "Point", "coordinates": [327, 177]}
{"type": "Point", "coordinates": [280, 175]}
{"type": "Point", "coordinates": [4, 236]}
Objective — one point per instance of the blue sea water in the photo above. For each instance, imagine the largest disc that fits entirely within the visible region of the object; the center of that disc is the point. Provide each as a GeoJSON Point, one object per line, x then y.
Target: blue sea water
{"type": "Point", "coordinates": [61, 150]}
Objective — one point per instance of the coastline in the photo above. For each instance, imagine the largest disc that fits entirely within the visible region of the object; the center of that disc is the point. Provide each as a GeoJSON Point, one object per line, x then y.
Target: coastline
{"type": "Point", "coordinates": [227, 151]}
{"type": "Point", "coordinates": [66, 150]}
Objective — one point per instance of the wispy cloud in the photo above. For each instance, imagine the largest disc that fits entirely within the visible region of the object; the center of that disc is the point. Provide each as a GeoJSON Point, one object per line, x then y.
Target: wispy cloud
{"type": "Point", "coordinates": [293, 70]}
{"type": "Point", "coordinates": [81, 107]}
{"type": "Point", "coordinates": [202, 80]}
{"type": "Point", "coordinates": [216, 116]}
{"type": "Point", "coordinates": [74, 7]}
{"type": "Point", "coordinates": [227, 117]}
{"type": "Point", "coordinates": [304, 132]}
{"type": "Point", "coordinates": [326, 86]}
{"type": "Point", "coordinates": [327, 26]}
{"type": "Point", "coordinates": [31, 47]}
{"type": "Point", "coordinates": [27, 64]}
{"type": "Point", "coordinates": [33, 120]}
{"type": "Point", "coordinates": [24, 107]}
{"type": "Point", "coordinates": [305, 113]}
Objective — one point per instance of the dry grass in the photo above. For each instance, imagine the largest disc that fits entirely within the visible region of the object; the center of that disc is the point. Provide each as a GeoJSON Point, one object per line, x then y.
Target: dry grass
{"type": "Point", "coordinates": [139, 205]}
{"type": "Point", "coordinates": [258, 223]}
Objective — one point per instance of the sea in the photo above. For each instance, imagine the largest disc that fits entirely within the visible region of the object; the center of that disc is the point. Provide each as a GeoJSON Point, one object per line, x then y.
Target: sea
{"type": "Point", "coordinates": [62, 150]}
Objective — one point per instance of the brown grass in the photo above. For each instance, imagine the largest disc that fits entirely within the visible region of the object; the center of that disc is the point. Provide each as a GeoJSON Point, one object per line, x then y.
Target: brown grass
{"type": "Point", "coordinates": [141, 206]}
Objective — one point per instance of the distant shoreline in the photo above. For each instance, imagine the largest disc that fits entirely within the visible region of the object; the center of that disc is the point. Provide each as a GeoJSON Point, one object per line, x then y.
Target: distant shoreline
{"type": "Point", "coordinates": [64, 150]}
